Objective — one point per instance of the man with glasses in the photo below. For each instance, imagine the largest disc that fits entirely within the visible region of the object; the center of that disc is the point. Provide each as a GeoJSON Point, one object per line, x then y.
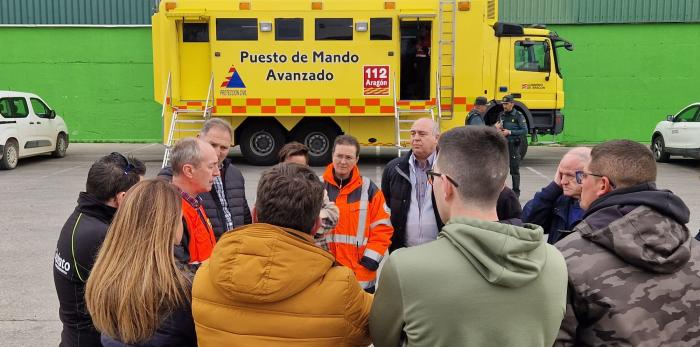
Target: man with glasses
{"type": "Point", "coordinates": [481, 283]}
{"type": "Point", "coordinates": [634, 269]}
{"type": "Point", "coordinates": [108, 180]}
{"type": "Point", "coordinates": [363, 232]}
{"type": "Point", "coordinates": [513, 126]}
{"type": "Point", "coordinates": [556, 207]}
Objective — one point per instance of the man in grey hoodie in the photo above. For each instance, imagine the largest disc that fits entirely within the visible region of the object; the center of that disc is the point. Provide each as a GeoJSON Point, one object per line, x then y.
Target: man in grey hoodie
{"type": "Point", "coordinates": [481, 283]}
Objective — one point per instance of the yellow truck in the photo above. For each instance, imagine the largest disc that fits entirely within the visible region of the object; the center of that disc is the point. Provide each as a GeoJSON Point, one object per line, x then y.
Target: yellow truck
{"type": "Point", "coordinates": [306, 70]}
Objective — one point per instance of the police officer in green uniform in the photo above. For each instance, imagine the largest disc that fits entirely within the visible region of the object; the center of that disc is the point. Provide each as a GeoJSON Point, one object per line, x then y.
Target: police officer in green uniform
{"type": "Point", "coordinates": [476, 115]}
{"type": "Point", "coordinates": [513, 126]}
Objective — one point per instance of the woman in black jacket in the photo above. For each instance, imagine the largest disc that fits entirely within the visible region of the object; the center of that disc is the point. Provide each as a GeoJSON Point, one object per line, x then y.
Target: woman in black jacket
{"type": "Point", "coordinates": [138, 294]}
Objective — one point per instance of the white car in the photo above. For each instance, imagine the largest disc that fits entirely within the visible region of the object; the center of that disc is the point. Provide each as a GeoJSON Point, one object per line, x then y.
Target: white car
{"type": "Point", "coordinates": [28, 127]}
{"type": "Point", "coordinates": [678, 135]}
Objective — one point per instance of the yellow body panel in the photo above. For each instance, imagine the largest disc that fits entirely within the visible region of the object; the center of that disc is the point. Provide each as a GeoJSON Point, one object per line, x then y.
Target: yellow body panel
{"type": "Point", "coordinates": [289, 80]}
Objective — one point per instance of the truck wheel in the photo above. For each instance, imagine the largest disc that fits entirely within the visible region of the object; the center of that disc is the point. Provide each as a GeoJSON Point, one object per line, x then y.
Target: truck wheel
{"type": "Point", "coordinates": [523, 146]}
{"type": "Point", "coordinates": [260, 143]}
{"type": "Point", "coordinates": [10, 155]}
{"type": "Point", "coordinates": [61, 146]}
{"type": "Point", "coordinates": [319, 139]}
{"type": "Point", "coordinates": [659, 149]}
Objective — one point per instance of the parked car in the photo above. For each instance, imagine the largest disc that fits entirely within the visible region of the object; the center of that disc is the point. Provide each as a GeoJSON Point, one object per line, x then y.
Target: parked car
{"type": "Point", "coordinates": [679, 135]}
{"type": "Point", "coordinates": [29, 127]}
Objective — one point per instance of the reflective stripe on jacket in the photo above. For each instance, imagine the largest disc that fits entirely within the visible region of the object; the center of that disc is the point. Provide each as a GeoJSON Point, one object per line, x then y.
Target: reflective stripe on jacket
{"type": "Point", "coordinates": [200, 240]}
{"type": "Point", "coordinates": [364, 228]}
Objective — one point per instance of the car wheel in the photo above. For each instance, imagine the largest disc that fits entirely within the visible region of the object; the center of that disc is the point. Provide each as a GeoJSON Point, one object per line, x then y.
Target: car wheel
{"type": "Point", "coordinates": [659, 149]}
{"type": "Point", "coordinates": [260, 143]}
{"type": "Point", "coordinates": [319, 139]}
{"type": "Point", "coordinates": [61, 146]}
{"type": "Point", "coordinates": [10, 155]}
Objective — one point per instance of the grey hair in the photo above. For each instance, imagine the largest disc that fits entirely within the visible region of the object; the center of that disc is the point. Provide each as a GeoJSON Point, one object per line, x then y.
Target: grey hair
{"type": "Point", "coordinates": [581, 153]}
{"type": "Point", "coordinates": [186, 151]}
{"type": "Point", "coordinates": [436, 126]}
{"type": "Point", "coordinates": [216, 123]}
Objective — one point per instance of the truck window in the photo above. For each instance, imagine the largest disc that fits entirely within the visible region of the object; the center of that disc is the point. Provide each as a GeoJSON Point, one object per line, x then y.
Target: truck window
{"type": "Point", "coordinates": [237, 29]}
{"type": "Point", "coordinates": [531, 56]}
{"type": "Point", "coordinates": [380, 29]}
{"type": "Point", "coordinates": [333, 29]}
{"type": "Point", "coordinates": [195, 32]}
{"type": "Point", "coordinates": [14, 108]}
{"type": "Point", "coordinates": [289, 29]}
{"type": "Point", "coordinates": [40, 108]}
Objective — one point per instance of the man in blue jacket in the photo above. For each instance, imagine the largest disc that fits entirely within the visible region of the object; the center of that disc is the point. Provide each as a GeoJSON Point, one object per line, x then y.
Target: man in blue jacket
{"type": "Point", "coordinates": [556, 207]}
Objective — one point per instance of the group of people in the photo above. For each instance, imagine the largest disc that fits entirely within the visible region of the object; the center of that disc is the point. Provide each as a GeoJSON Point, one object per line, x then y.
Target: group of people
{"type": "Point", "coordinates": [600, 256]}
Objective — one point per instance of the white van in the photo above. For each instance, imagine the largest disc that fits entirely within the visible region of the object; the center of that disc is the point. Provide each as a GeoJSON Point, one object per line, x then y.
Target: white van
{"type": "Point", "coordinates": [28, 127]}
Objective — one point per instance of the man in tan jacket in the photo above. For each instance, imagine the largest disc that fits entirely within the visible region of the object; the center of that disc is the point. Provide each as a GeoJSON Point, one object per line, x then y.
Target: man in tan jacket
{"type": "Point", "coordinates": [267, 284]}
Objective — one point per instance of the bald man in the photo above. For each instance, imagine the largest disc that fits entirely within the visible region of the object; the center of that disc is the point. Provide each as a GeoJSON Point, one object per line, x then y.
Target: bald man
{"type": "Point", "coordinates": [556, 207]}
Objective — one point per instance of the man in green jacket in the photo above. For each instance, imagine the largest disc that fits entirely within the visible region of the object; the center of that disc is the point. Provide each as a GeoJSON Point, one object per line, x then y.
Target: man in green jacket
{"type": "Point", "coordinates": [481, 283]}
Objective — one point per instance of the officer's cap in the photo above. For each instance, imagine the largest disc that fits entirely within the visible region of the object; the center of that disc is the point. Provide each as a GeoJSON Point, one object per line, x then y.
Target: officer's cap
{"type": "Point", "coordinates": [481, 101]}
{"type": "Point", "coordinates": [508, 98]}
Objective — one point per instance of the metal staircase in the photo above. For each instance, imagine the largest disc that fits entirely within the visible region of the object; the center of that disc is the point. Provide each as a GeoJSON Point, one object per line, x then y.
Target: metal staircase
{"type": "Point", "coordinates": [403, 118]}
{"type": "Point", "coordinates": [446, 57]}
{"type": "Point", "coordinates": [185, 122]}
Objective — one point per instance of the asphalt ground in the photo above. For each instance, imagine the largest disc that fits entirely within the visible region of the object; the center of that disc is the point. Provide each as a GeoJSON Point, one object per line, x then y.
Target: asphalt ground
{"type": "Point", "coordinates": [37, 197]}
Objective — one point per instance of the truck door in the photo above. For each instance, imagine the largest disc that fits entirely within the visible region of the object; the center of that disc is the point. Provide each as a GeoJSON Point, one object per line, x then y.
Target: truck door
{"type": "Point", "coordinates": [195, 61]}
{"type": "Point", "coordinates": [532, 72]}
{"type": "Point", "coordinates": [415, 77]}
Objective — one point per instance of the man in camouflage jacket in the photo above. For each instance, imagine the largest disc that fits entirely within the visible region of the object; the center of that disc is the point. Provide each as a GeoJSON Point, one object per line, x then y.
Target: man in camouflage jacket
{"type": "Point", "coordinates": [634, 268]}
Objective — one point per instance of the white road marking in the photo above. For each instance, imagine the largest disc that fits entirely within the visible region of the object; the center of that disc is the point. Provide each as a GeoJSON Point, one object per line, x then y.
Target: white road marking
{"type": "Point", "coordinates": [539, 174]}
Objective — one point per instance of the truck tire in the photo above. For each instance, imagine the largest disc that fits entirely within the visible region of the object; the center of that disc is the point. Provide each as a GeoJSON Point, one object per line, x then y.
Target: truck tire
{"type": "Point", "coordinates": [10, 155]}
{"type": "Point", "coordinates": [523, 146]}
{"type": "Point", "coordinates": [260, 143]}
{"type": "Point", "coordinates": [319, 139]}
{"type": "Point", "coordinates": [61, 146]}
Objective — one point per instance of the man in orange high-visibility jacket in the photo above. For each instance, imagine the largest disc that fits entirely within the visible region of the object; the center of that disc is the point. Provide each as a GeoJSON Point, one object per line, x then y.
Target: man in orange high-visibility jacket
{"type": "Point", "coordinates": [363, 232]}
{"type": "Point", "coordinates": [195, 165]}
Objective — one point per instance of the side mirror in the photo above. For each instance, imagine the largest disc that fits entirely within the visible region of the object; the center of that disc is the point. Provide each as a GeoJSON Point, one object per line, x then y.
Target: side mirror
{"type": "Point", "coordinates": [569, 46]}
{"type": "Point", "coordinates": [670, 118]}
{"type": "Point", "coordinates": [52, 114]}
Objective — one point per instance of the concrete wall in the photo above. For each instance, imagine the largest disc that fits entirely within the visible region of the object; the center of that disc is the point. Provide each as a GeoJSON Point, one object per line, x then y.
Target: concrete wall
{"type": "Point", "coordinates": [620, 80]}
{"type": "Point", "coordinates": [99, 79]}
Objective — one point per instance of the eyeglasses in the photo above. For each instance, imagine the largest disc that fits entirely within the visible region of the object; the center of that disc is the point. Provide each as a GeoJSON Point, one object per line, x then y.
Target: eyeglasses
{"type": "Point", "coordinates": [129, 165]}
{"type": "Point", "coordinates": [432, 174]}
{"type": "Point", "coordinates": [580, 175]}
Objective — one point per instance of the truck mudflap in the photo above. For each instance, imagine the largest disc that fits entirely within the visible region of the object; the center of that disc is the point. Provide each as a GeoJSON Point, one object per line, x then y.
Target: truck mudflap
{"type": "Point", "coordinates": [558, 122]}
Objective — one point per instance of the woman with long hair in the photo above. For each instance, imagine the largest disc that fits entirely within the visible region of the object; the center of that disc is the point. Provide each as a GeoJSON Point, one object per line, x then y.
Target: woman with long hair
{"type": "Point", "coordinates": [138, 294]}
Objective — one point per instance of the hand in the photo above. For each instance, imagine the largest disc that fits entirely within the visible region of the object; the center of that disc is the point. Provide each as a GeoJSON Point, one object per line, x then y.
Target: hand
{"type": "Point", "coordinates": [499, 125]}
{"type": "Point", "coordinates": [557, 176]}
{"type": "Point", "coordinates": [506, 132]}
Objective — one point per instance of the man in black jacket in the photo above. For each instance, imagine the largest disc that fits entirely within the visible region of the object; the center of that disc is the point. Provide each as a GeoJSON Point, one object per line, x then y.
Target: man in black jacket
{"type": "Point", "coordinates": [225, 205]}
{"type": "Point", "coordinates": [407, 191]}
{"type": "Point", "coordinates": [81, 237]}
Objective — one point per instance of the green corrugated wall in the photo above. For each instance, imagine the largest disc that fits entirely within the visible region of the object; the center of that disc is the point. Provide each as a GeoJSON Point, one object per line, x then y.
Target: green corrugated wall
{"type": "Point", "coordinates": [599, 11]}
